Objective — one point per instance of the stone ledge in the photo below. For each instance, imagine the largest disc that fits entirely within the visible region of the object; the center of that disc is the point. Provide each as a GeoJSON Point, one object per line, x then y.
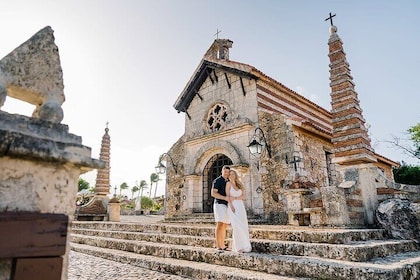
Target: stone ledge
{"type": "Point", "coordinates": [18, 145]}
{"type": "Point", "coordinates": [37, 128]}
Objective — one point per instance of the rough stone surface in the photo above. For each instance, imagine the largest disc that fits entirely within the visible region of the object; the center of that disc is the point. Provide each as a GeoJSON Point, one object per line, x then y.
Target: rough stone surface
{"type": "Point", "coordinates": [400, 218]}
{"type": "Point", "coordinates": [279, 252]}
{"type": "Point", "coordinates": [32, 73]}
{"type": "Point", "coordinates": [88, 267]}
{"type": "Point", "coordinates": [28, 138]}
{"type": "Point", "coordinates": [334, 202]}
{"type": "Point", "coordinates": [87, 262]}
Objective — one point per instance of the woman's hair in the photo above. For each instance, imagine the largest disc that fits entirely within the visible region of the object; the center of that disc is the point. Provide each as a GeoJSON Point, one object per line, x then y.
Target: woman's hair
{"type": "Point", "coordinates": [237, 182]}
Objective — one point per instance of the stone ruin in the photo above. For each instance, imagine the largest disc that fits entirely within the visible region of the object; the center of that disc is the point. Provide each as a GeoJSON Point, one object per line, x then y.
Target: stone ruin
{"type": "Point", "coordinates": [40, 164]}
{"type": "Point", "coordinates": [32, 73]}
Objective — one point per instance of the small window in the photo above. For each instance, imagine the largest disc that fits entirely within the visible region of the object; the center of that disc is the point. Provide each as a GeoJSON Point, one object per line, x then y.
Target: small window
{"type": "Point", "coordinates": [216, 117]}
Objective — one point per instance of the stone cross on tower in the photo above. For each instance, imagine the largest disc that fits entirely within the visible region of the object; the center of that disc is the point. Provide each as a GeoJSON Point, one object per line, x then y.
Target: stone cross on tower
{"type": "Point", "coordinates": [330, 19]}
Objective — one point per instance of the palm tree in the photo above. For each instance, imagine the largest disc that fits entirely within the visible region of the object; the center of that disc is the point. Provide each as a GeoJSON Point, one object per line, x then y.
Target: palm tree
{"type": "Point", "coordinates": [141, 186]}
{"type": "Point", "coordinates": [154, 178]}
{"type": "Point", "coordinates": [157, 181]}
{"type": "Point", "coordinates": [123, 186]}
{"type": "Point", "coordinates": [133, 190]}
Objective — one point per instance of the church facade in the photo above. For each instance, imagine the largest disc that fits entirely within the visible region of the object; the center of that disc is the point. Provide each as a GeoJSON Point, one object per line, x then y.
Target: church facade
{"type": "Point", "coordinates": [227, 105]}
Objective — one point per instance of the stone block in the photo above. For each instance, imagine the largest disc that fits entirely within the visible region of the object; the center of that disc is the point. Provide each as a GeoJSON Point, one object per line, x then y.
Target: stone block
{"type": "Point", "coordinates": [294, 201]}
{"type": "Point", "coordinates": [334, 202]}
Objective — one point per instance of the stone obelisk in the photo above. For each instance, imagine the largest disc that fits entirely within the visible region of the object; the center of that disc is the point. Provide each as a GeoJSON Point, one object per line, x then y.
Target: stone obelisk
{"type": "Point", "coordinates": [102, 178]}
{"type": "Point", "coordinates": [354, 156]}
{"type": "Point", "coordinates": [97, 208]}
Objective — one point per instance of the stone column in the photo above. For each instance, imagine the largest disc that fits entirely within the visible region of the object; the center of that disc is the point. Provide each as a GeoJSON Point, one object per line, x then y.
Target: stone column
{"type": "Point", "coordinates": [114, 209]}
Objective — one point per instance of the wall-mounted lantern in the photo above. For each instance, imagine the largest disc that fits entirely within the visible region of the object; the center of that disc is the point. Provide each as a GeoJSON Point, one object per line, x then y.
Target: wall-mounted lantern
{"type": "Point", "coordinates": [161, 168]}
{"type": "Point", "coordinates": [258, 142]}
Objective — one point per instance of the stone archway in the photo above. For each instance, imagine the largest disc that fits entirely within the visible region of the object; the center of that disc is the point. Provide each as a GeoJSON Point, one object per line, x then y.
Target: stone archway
{"type": "Point", "coordinates": [211, 171]}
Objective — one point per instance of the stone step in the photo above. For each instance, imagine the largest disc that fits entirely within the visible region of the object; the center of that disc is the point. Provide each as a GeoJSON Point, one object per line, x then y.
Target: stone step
{"type": "Point", "coordinates": [355, 251]}
{"type": "Point", "coordinates": [202, 241]}
{"type": "Point", "coordinates": [399, 266]}
{"type": "Point", "coordinates": [358, 251]}
{"type": "Point", "coordinates": [206, 218]}
{"type": "Point", "coordinates": [285, 233]}
{"type": "Point", "coordinates": [185, 268]}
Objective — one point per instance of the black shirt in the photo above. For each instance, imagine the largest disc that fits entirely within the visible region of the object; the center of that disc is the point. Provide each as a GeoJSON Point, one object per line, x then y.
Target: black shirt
{"type": "Point", "coordinates": [220, 185]}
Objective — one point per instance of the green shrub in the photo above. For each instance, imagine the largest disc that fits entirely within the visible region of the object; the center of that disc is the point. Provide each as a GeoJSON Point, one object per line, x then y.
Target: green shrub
{"type": "Point", "coordinates": [146, 202]}
{"type": "Point", "coordinates": [407, 174]}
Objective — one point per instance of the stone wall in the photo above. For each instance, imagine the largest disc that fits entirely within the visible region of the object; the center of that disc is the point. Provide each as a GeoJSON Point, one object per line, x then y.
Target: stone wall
{"type": "Point", "coordinates": [240, 108]}
{"type": "Point", "coordinates": [176, 197]}
{"type": "Point", "coordinates": [387, 189]}
{"type": "Point", "coordinates": [291, 143]}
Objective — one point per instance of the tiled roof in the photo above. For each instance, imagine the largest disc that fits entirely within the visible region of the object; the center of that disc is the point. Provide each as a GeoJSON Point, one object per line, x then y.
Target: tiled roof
{"type": "Point", "coordinates": [239, 68]}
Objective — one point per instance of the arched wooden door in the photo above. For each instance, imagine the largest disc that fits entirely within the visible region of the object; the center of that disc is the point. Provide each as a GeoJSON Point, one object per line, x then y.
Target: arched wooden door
{"type": "Point", "coordinates": [211, 171]}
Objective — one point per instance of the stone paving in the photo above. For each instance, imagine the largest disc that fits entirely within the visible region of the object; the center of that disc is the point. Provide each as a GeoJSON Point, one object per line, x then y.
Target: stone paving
{"type": "Point", "coordinates": [87, 267]}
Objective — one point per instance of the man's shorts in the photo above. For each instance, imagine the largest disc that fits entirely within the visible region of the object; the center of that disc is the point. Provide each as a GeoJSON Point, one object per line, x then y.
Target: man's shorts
{"type": "Point", "coordinates": [221, 213]}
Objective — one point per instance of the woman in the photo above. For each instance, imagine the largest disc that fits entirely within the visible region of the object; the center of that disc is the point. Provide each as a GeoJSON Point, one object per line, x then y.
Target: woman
{"type": "Point", "coordinates": [236, 210]}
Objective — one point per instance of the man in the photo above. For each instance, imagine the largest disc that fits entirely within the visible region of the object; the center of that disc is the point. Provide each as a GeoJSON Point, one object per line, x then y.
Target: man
{"type": "Point", "coordinates": [218, 191]}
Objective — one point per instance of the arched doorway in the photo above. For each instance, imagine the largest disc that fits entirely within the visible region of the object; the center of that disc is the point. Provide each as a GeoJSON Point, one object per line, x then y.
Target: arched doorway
{"type": "Point", "coordinates": [211, 171]}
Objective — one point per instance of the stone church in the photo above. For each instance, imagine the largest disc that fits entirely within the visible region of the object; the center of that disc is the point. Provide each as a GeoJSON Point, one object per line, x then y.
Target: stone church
{"type": "Point", "coordinates": [308, 171]}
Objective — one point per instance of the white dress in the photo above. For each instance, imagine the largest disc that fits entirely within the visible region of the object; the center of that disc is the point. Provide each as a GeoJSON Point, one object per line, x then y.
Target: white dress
{"type": "Point", "coordinates": [239, 223]}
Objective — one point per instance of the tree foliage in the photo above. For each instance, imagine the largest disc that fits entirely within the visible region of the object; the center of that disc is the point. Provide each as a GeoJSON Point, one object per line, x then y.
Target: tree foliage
{"type": "Point", "coordinates": [123, 186]}
{"type": "Point", "coordinates": [410, 146]}
{"type": "Point", "coordinates": [407, 174]}
{"type": "Point", "coordinates": [142, 186]}
{"type": "Point", "coordinates": [415, 137]}
{"type": "Point", "coordinates": [134, 190]}
{"type": "Point", "coordinates": [83, 185]}
{"type": "Point", "coordinates": [146, 202]}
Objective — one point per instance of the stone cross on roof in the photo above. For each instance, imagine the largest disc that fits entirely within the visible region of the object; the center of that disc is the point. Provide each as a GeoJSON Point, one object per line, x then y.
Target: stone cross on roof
{"type": "Point", "coordinates": [217, 33]}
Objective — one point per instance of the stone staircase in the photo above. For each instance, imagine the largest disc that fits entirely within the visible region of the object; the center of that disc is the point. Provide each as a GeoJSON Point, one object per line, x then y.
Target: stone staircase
{"type": "Point", "coordinates": [279, 252]}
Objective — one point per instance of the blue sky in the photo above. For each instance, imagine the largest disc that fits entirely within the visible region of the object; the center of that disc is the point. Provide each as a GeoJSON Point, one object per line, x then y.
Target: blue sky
{"type": "Point", "coordinates": [126, 62]}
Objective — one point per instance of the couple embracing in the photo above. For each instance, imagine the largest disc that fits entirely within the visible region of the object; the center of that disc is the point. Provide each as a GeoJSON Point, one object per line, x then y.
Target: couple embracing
{"type": "Point", "coordinates": [229, 208]}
